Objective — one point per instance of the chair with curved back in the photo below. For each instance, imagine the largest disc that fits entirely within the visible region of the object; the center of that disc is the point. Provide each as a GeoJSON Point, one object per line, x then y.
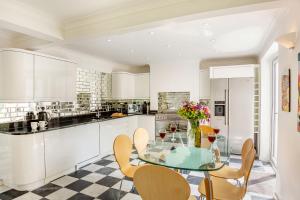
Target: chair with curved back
{"type": "Point", "coordinates": [140, 139]}
{"type": "Point", "coordinates": [223, 190]}
{"type": "Point", "coordinates": [205, 131]}
{"type": "Point", "coordinates": [122, 150]}
{"type": "Point", "coordinates": [232, 173]}
{"type": "Point", "coordinates": [160, 183]}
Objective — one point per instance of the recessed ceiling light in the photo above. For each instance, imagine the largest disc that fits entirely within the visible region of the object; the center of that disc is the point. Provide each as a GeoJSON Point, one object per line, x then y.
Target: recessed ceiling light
{"type": "Point", "coordinates": [207, 33]}
{"type": "Point", "coordinates": [205, 25]}
{"type": "Point", "coordinates": [152, 33]}
{"type": "Point", "coordinates": [108, 40]}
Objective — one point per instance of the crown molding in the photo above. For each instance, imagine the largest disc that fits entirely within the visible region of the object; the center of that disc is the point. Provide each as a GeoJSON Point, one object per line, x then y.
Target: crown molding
{"type": "Point", "coordinates": [23, 18]}
{"type": "Point", "coordinates": [146, 15]}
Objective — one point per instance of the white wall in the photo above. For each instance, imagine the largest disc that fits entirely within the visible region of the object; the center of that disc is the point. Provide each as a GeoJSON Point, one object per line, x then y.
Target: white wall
{"type": "Point", "coordinates": [85, 60]}
{"type": "Point", "coordinates": [180, 76]}
{"type": "Point", "coordinates": [288, 178]}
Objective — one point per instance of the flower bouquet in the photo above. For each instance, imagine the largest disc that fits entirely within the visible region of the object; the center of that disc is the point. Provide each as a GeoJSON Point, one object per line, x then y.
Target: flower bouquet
{"type": "Point", "coordinates": [194, 113]}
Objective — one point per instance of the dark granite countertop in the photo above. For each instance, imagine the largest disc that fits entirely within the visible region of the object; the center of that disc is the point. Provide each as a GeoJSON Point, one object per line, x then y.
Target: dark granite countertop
{"type": "Point", "coordinates": [23, 127]}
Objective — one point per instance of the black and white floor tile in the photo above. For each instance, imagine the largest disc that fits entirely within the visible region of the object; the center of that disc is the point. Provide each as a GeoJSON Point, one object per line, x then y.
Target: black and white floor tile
{"type": "Point", "coordinates": [101, 180]}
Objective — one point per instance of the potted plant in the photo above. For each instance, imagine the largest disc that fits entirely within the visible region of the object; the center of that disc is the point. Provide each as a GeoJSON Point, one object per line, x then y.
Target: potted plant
{"type": "Point", "coordinates": [194, 113]}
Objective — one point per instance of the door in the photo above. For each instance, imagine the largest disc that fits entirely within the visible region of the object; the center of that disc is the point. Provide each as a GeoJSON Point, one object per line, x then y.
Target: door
{"type": "Point", "coordinates": [219, 94]}
{"type": "Point", "coordinates": [275, 106]}
{"type": "Point", "coordinates": [240, 112]}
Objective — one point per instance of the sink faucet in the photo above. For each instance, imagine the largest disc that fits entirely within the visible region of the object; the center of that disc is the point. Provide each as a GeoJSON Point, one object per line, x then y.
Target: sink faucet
{"type": "Point", "coordinates": [98, 114]}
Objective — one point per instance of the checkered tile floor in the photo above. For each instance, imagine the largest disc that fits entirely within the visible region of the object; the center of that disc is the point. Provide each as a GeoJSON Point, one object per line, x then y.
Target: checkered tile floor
{"type": "Point", "coordinates": [101, 180]}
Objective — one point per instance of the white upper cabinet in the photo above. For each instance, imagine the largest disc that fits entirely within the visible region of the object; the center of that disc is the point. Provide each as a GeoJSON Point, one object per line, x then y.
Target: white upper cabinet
{"type": "Point", "coordinates": [123, 85]}
{"type": "Point", "coordinates": [55, 80]}
{"type": "Point", "coordinates": [16, 76]}
{"type": "Point", "coordinates": [130, 86]}
{"type": "Point", "coordinates": [142, 86]}
{"type": "Point", "coordinates": [238, 71]}
{"type": "Point", "coordinates": [204, 86]}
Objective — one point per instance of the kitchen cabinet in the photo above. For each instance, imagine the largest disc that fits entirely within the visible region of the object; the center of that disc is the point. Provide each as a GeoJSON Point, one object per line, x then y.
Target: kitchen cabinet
{"type": "Point", "coordinates": [109, 130]}
{"type": "Point", "coordinates": [55, 80]}
{"type": "Point", "coordinates": [142, 86]}
{"type": "Point", "coordinates": [16, 76]}
{"type": "Point", "coordinates": [64, 148]}
{"type": "Point", "coordinates": [238, 71]}
{"type": "Point", "coordinates": [204, 84]}
{"type": "Point", "coordinates": [123, 85]}
{"type": "Point", "coordinates": [147, 122]}
{"type": "Point", "coordinates": [22, 160]}
{"type": "Point", "coordinates": [130, 86]}
{"type": "Point", "coordinates": [132, 125]}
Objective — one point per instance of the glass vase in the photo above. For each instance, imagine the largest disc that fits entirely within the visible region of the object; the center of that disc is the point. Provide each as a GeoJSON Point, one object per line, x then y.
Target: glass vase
{"type": "Point", "coordinates": [194, 133]}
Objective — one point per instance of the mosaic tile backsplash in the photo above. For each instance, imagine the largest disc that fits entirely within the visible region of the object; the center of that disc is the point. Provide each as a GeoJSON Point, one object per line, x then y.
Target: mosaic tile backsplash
{"type": "Point", "coordinates": [171, 101]}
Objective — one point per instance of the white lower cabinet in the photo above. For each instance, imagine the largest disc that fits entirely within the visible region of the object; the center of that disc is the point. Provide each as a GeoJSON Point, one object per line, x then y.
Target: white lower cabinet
{"type": "Point", "coordinates": [147, 122]}
{"type": "Point", "coordinates": [132, 125]}
{"type": "Point", "coordinates": [64, 148]}
{"type": "Point", "coordinates": [109, 130]}
{"type": "Point", "coordinates": [22, 160]}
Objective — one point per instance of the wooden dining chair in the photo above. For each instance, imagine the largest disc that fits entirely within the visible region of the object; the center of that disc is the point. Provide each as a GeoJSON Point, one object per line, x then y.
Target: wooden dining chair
{"type": "Point", "coordinates": [140, 139]}
{"type": "Point", "coordinates": [122, 150]}
{"type": "Point", "coordinates": [160, 183]}
{"type": "Point", "coordinates": [223, 190]}
{"type": "Point", "coordinates": [206, 130]}
{"type": "Point", "coordinates": [233, 173]}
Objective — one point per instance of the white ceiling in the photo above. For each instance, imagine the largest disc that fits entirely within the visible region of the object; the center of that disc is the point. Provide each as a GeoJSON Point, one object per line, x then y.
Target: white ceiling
{"type": "Point", "coordinates": [224, 36]}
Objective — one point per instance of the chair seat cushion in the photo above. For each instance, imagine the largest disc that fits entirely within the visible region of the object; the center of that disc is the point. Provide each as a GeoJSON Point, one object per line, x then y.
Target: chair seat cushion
{"type": "Point", "coordinates": [223, 190]}
{"type": "Point", "coordinates": [227, 173]}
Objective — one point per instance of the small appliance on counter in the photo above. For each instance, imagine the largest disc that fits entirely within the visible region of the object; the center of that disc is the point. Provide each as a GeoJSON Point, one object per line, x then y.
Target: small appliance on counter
{"type": "Point", "coordinates": [43, 115]}
{"type": "Point", "coordinates": [134, 108]}
{"type": "Point", "coordinates": [146, 108]}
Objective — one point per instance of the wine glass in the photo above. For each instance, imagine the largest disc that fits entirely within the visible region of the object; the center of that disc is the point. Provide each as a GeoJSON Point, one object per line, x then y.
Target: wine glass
{"type": "Point", "coordinates": [173, 128]}
{"type": "Point", "coordinates": [162, 134]}
{"type": "Point", "coordinates": [211, 138]}
{"type": "Point", "coordinates": [216, 130]}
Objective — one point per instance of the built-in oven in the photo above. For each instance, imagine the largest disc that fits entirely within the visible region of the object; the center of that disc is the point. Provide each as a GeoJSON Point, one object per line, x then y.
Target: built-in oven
{"type": "Point", "coordinates": [220, 108]}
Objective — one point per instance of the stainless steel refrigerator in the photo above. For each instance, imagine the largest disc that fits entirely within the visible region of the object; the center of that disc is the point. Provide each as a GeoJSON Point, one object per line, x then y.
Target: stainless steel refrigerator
{"type": "Point", "coordinates": [233, 110]}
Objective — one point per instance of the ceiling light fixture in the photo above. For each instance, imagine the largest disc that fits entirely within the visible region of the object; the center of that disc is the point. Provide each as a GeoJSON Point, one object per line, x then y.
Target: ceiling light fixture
{"type": "Point", "coordinates": [108, 40]}
{"type": "Point", "coordinates": [152, 33]}
{"type": "Point", "coordinates": [204, 25]}
{"type": "Point", "coordinates": [207, 33]}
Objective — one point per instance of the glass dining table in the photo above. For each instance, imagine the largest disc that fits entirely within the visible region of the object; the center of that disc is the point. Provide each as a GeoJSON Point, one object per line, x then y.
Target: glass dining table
{"type": "Point", "coordinates": [182, 156]}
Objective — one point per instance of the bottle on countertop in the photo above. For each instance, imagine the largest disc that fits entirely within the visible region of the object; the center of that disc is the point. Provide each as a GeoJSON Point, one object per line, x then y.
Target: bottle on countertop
{"type": "Point", "coordinates": [144, 108]}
